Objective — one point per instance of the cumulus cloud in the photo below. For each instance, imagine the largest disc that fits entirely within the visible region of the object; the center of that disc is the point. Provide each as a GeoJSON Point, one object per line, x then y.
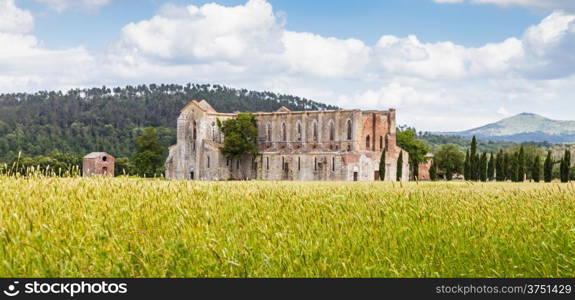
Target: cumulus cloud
{"type": "Point", "coordinates": [14, 19]}
{"type": "Point", "coordinates": [61, 5]}
{"type": "Point", "coordinates": [26, 65]}
{"type": "Point", "coordinates": [436, 86]}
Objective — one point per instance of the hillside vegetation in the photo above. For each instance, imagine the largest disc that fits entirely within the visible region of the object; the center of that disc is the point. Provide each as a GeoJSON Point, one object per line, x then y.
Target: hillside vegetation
{"type": "Point", "coordinates": [104, 119]}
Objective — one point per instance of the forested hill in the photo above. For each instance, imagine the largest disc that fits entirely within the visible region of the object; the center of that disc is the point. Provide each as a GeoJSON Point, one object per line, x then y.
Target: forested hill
{"type": "Point", "coordinates": [104, 119]}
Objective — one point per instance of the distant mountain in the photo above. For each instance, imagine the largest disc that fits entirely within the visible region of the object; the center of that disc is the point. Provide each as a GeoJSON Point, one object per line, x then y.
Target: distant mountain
{"type": "Point", "coordinates": [525, 127]}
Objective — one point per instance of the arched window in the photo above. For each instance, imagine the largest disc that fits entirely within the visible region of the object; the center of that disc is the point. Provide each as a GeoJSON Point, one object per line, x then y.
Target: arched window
{"type": "Point", "coordinates": [348, 129]}
{"type": "Point", "coordinates": [299, 163]}
{"type": "Point", "coordinates": [315, 133]}
{"type": "Point", "coordinates": [333, 164]}
{"type": "Point", "coordinates": [284, 132]}
{"type": "Point", "coordinates": [380, 142]}
{"type": "Point", "coordinates": [331, 132]}
{"type": "Point", "coordinates": [299, 132]}
{"type": "Point", "coordinates": [367, 142]}
{"type": "Point", "coordinates": [269, 132]}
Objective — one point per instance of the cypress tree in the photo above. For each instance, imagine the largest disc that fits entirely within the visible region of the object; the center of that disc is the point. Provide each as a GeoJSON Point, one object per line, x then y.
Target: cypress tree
{"type": "Point", "coordinates": [399, 166]}
{"type": "Point", "coordinates": [521, 165]}
{"type": "Point", "coordinates": [565, 166]}
{"type": "Point", "coordinates": [483, 167]}
{"type": "Point", "coordinates": [382, 166]}
{"type": "Point", "coordinates": [514, 167]}
{"type": "Point", "coordinates": [507, 166]}
{"type": "Point", "coordinates": [433, 171]}
{"type": "Point", "coordinates": [536, 169]}
{"type": "Point", "coordinates": [500, 172]}
{"type": "Point", "coordinates": [491, 168]}
{"type": "Point", "coordinates": [548, 168]}
{"type": "Point", "coordinates": [467, 167]}
{"type": "Point", "coordinates": [473, 160]}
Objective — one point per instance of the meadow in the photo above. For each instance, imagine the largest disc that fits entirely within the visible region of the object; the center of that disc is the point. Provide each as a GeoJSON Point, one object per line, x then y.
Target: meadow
{"type": "Point", "coordinates": [129, 227]}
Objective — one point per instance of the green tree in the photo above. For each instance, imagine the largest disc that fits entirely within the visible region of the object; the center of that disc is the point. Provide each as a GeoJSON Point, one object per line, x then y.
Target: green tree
{"type": "Point", "coordinates": [148, 159]}
{"type": "Point", "coordinates": [417, 149]}
{"type": "Point", "coordinates": [474, 160]}
{"type": "Point", "coordinates": [399, 173]}
{"type": "Point", "coordinates": [483, 167]}
{"type": "Point", "coordinates": [491, 167]}
{"type": "Point", "coordinates": [433, 171]}
{"type": "Point", "coordinates": [467, 166]}
{"type": "Point", "coordinates": [565, 167]}
{"type": "Point", "coordinates": [449, 160]}
{"type": "Point", "coordinates": [499, 170]}
{"type": "Point", "coordinates": [536, 169]}
{"type": "Point", "coordinates": [548, 168]}
{"type": "Point", "coordinates": [240, 136]}
{"type": "Point", "coordinates": [507, 166]}
{"type": "Point", "coordinates": [521, 165]}
{"type": "Point", "coordinates": [382, 166]}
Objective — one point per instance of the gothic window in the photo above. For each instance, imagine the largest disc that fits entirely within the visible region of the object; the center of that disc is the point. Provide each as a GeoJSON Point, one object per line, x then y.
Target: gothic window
{"type": "Point", "coordinates": [348, 129]}
{"type": "Point", "coordinates": [284, 132]}
{"type": "Point", "coordinates": [315, 133]}
{"type": "Point", "coordinates": [299, 132]}
{"type": "Point", "coordinates": [367, 142]}
{"type": "Point", "coordinates": [315, 163]}
{"type": "Point", "coordinates": [269, 132]}
{"type": "Point", "coordinates": [331, 132]}
{"type": "Point", "coordinates": [333, 164]}
{"type": "Point", "coordinates": [299, 163]}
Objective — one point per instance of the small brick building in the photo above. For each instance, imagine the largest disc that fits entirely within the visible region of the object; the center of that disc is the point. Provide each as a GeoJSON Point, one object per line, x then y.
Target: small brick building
{"type": "Point", "coordinates": [98, 164]}
{"type": "Point", "coordinates": [425, 167]}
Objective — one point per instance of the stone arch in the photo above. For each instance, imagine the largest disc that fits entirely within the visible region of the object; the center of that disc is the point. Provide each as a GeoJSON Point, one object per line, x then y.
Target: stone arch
{"type": "Point", "coordinates": [299, 131]}
{"type": "Point", "coordinates": [284, 132]}
{"type": "Point", "coordinates": [349, 130]}
{"type": "Point", "coordinates": [331, 127]}
{"type": "Point", "coordinates": [268, 132]}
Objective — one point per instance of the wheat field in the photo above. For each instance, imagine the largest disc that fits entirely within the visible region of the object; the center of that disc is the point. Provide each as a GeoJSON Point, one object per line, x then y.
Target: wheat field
{"type": "Point", "coordinates": [129, 227]}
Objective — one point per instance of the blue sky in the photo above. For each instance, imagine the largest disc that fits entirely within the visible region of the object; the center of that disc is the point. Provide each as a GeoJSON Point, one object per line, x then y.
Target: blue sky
{"type": "Point", "coordinates": [443, 64]}
{"type": "Point", "coordinates": [466, 24]}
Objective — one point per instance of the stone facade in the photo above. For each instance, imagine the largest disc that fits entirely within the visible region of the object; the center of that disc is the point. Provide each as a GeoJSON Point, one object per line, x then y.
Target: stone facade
{"type": "Point", "coordinates": [338, 145]}
{"type": "Point", "coordinates": [98, 164]}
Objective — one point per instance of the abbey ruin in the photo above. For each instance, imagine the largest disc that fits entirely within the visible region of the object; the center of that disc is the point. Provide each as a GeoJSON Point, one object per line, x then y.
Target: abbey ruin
{"type": "Point", "coordinates": [337, 145]}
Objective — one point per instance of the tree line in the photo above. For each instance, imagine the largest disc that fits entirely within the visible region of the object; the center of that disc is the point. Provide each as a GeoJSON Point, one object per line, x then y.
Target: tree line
{"type": "Point", "coordinates": [517, 164]}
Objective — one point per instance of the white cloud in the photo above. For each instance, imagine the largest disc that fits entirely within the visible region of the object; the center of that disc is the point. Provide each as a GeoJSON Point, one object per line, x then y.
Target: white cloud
{"type": "Point", "coordinates": [61, 5]}
{"type": "Point", "coordinates": [434, 86]}
{"type": "Point", "coordinates": [14, 19]}
{"type": "Point", "coordinates": [535, 4]}
{"type": "Point", "coordinates": [26, 65]}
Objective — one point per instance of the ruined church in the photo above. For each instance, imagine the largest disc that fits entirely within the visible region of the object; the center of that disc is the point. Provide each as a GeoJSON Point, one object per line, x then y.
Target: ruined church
{"type": "Point", "coordinates": [334, 145]}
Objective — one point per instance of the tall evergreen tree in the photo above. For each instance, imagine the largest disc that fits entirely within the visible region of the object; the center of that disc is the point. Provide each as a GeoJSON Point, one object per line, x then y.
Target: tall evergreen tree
{"type": "Point", "coordinates": [536, 169]}
{"type": "Point", "coordinates": [499, 170]}
{"type": "Point", "coordinates": [382, 166]}
{"type": "Point", "coordinates": [521, 165]}
{"type": "Point", "coordinates": [514, 168]}
{"type": "Point", "coordinates": [548, 168]}
{"type": "Point", "coordinates": [433, 171]}
{"type": "Point", "coordinates": [507, 166]}
{"type": "Point", "coordinates": [565, 166]}
{"type": "Point", "coordinates": [474, 160]}
{"type": "Point", "coordinates": [483, 167]}
{"type": "Point", "coordinates": [491, 168]}
{"type": "Point", "coordinates": [467, 167]}
{"type": "Point", "coordinates": [399, 173]}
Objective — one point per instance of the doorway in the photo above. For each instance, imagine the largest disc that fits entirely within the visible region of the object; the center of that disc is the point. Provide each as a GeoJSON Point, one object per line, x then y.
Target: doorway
{"type": "Point", "coordinates": [355, 175]}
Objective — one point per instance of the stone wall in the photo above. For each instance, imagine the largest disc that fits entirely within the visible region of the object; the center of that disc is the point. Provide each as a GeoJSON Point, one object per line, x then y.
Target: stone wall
{"type": "Point", "coordinates": [311, 145]}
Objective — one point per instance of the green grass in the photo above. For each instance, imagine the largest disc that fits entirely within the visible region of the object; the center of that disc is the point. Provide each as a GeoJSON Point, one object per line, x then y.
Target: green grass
{"type": "Point", "coordinates": [124, 227]}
